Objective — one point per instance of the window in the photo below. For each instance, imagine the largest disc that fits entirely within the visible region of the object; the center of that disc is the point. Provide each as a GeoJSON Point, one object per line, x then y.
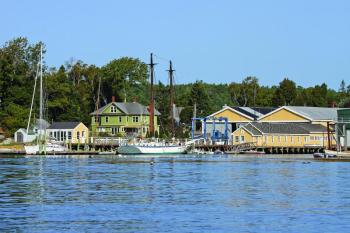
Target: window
{"type": "Point", "coordinates": [291, 139]}
{"type": "Point", "coordinates": [78, 135]}
{"type": "Point", "coordinates": [285, 138]}
{"type": "Point", "coordinates": [115, 130]}
{"type": "Point", "coordinates": [64, 135]}
{"type": "Point", "coordinates": [127, 119]}
{"type": "Point", "coordinates": [61, 139]}
{"type": "Point", "coordinates": [299, 139]}
{"type": "Point", "coordinates": [107, 119]}
{"type": "Point", "coordinates": [120, 119]}
{"type": "Point", "coordinates": [113, 109]}
{"type": "Point", "coordinates": [144, 130]}
{"type": "Point", "coordinates": [83, 133]}
{"type": "Point", "coordinates": [242, 138]}
{"type": "Point", "coordinates": [305, 139]}
{"type": "Point", "coordinates": [69, 135]}
{"type": "Point", "coordinates": [236, 138]}
{"type": "Point", "coordinates": [135, 119]}
{"type": "Point", "coordinates": [272, 139]}
{"type": "Point", "coordinates": [279, 139]}
{"type": "Point", "coordinates": [54, 134]}
{"type": "Point", "coordinates": [51, 134]}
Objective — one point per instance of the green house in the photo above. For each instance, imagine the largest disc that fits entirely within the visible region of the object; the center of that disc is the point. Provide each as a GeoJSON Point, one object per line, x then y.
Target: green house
{"type": "Point", "coordinates": [119, 118]}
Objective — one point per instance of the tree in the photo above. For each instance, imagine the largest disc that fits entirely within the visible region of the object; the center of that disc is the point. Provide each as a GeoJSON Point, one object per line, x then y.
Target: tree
{"type": "Point", "coordinates": [245, 93]}
{"type": "Point", "coordinates": [285, 94]}
{"type": "Point", "coordinates": [18, 65]}
{"type": "Point", "coordinates": [120, 74]}
{"type": "Point", "coordinates": [200, 97]}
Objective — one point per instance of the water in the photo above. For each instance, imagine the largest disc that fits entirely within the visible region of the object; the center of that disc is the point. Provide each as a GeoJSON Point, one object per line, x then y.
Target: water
{"type": "Point", "coordinates": [173, 194]}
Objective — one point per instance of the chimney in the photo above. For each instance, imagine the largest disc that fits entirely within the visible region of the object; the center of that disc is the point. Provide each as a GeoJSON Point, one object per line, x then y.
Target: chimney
{"type": "Point", "coordinates": [113, 98]}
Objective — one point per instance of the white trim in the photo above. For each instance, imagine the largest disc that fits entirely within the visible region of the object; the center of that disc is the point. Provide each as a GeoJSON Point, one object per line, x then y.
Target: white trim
{"type": "Point", "coordinates": [256, 128]}
{"type": "Point", "coordinates": [286, 108]}
{"type": "Point", "coordinates": [231, 109]}
{"type": "Point", "coordinates": [285, 121]}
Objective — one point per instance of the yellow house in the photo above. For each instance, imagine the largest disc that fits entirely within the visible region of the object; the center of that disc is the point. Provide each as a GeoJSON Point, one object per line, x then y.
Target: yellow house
{"type": "Point", "coordinates": [314, 115]}
{"type": "Point", "coordinates": [69, 132]}
{"type": "Point", "coordinates": [236, 116]}
{"type": "Point", "coordinates": [275, 134]}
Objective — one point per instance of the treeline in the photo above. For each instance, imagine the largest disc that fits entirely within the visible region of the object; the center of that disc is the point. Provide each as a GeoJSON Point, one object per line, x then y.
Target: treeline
{"type": "Point", "coordinates": [72, 89]}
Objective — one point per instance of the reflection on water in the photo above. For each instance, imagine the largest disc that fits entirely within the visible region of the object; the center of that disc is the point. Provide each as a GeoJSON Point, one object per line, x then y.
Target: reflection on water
{"type": "Point", "coordinates": [173, 194]}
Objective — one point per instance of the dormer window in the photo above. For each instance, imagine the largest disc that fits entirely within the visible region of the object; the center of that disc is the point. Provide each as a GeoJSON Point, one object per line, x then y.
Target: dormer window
{"type": "Point", "coordinates": [113, 109]}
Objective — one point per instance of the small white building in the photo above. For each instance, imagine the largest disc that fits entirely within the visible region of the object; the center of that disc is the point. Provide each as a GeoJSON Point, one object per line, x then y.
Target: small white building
{"type": "Point", "coordinates": [22, 136]}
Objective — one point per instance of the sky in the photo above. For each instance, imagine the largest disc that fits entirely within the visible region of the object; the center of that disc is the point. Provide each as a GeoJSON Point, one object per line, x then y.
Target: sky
{"type": "Point", "coordinates": [214, 41]}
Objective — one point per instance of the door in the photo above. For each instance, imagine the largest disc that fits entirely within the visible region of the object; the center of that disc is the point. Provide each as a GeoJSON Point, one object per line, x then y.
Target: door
{"type": "Point", "coordinates": [20, 137]}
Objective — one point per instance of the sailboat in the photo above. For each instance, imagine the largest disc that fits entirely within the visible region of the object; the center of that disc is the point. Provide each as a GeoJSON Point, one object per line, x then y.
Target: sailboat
{"type": "Point", "coordinates": [43, 146]}
{"type": "Point", "coordinates": [156, 147]}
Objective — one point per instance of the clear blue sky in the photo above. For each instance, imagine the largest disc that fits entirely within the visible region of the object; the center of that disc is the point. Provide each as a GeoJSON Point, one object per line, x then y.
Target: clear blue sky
{"type": "Point", "coordinates": [216, 41]}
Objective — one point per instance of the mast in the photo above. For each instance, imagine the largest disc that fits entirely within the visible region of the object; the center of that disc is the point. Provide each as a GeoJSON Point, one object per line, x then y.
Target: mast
{"type": "Point", "coordinates": [97, 106]}
{"type": "Point", "coordinates": [31, 106]}
{"type": "Point", "coordinates": [172, 123]}
{"type": "Point", "coordinates": [151, 105]}
{"type": "Point", "coordinates": [41, 89]}
{"type": "Point", "coordinates": [41, 135]}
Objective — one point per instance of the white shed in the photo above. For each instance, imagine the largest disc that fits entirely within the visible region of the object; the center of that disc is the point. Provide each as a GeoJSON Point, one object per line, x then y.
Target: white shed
{"type": "Point", "coordinates": [21, 136]}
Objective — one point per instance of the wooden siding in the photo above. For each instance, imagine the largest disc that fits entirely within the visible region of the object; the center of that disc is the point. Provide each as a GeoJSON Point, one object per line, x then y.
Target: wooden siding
{"type": "Point", "coordinates": [232, 116]}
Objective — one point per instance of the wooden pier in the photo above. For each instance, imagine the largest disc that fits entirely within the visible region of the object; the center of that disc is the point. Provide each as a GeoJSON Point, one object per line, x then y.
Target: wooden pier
{"type": "Point", "coordinates": [241, 148]}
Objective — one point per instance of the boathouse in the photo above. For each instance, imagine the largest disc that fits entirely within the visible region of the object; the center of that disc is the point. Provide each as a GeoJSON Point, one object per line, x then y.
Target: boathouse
{"type": "Point", "coordinates": [236, 117]}
{"type": "Point", "coordinates": [314, 115]}
{"type": "Point", "coordinates": [274, 134]}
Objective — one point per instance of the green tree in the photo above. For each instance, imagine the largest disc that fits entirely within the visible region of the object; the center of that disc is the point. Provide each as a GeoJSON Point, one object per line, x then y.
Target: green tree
{"type": "Point", "coordinates": [120, 75]}
{"type": "Point", "coordinates": [18, 65]}
{"type": "Point", "coordinates": [285, 94]}
{"type": "Point", "coordinates": [200, 97]}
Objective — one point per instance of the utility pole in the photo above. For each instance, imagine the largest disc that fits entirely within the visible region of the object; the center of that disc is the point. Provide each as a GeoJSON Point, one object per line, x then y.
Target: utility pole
{"type": "Point", "coordinates": [171, 92]}
{"type": "Point", "coordinates": [151, 105]}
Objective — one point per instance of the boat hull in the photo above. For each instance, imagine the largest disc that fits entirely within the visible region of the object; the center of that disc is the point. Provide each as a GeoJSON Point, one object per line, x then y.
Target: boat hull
{"type": "Point", "coordinates": [136, 150]}
{"type": "Point", "coordinates": [34, 149]}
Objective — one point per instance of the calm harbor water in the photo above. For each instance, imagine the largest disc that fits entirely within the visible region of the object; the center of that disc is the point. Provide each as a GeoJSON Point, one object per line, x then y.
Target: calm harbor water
{"type": "Point", "coordinates": [173, 194]}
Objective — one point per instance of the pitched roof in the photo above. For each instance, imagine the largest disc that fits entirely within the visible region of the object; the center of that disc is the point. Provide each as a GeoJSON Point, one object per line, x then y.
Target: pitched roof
{"type": "Point", "coordinates": [129, 108]}
{"type": "Point", "coordinates": [252, 129]}
{"type": "Point", "coordinates": [254, 112]}
{"type": "Point", "coordinates": [310, 113]}
{"type": "Point", "coordinates": [316, 113]}
{"type": "Point", "coordinates": [64, 125]}
{"type": "Point", "coordinates": [258, 128]}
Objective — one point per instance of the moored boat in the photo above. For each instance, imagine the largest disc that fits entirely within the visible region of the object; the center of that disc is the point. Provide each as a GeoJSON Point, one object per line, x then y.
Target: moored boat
{"type": "Point", "coordinates": [50, 148]}
{"type": "Point", "coordinates": [43, 145]}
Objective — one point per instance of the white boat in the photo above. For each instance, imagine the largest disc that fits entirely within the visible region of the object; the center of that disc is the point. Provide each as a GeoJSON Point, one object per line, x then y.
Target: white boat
{"type": "Point", "coordinates": [151, 149]}
{"type": "Point", "coordinates": [50, 148]}
{"type": "Point", "coordinates": [43, 146]}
